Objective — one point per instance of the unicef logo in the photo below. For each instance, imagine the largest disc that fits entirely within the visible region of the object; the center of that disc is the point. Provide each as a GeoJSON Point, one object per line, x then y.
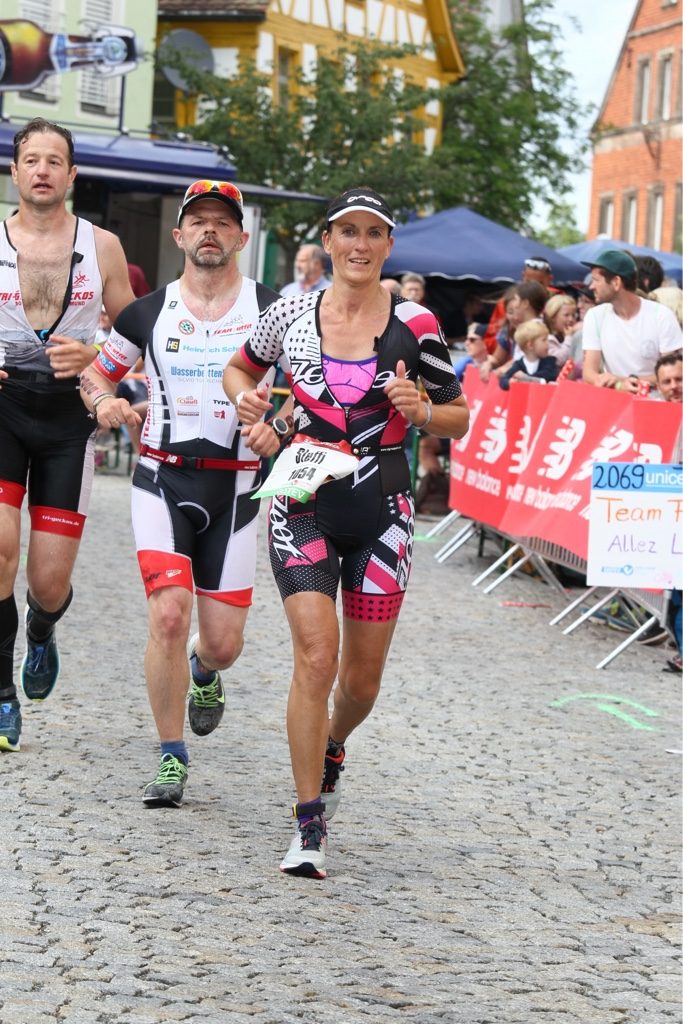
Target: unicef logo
{"type": "Point", "coordinates": [186, 327]}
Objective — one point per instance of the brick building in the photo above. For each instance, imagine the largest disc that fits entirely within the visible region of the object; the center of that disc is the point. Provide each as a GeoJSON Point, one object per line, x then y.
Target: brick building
{"type": "Point", "coordinates": [636, 191]}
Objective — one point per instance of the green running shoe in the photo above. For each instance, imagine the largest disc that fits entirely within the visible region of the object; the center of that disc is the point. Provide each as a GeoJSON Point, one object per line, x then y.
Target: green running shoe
{"type": "Point", "coordinates": [167, 789]}
{"type": "Point", "coordinates": [207, 700]}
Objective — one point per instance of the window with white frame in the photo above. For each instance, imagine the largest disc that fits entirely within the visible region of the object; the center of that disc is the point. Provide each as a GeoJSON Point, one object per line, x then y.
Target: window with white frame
{"type": "Point", "coordinates": [99, 94]}
{"type": "Point", "coordinates": [606, 216]}
{"type": "Point", "coordinates": [629, 217]}
{"type": "Point", "coordinates": [678, 218]}
{"type": "Point", "coordinates": [47, 14]}
{"type": "Point", "coordinates": [642, 111]}
{"type": "Point", "coordinates": [655, 217]}
{"type": "Point", "coordinates": [664, 86]}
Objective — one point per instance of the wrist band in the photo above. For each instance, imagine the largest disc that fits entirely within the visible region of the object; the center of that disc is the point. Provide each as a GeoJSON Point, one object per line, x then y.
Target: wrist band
{"type": "Point", "coordinates": [98, 348]}
{"type": "Point", "coordinates": [617, 385]}
{"type": "Point", "coordinates": [101, 398]}
{"type": "Point", "coordinates": [428, 419]}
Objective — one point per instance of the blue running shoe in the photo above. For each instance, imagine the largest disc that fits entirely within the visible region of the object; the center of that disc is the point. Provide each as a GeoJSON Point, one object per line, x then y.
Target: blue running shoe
{"type": "Point", "coordinates": [40, 667]}
{"type": "Point", "coordinates": [10, 726]}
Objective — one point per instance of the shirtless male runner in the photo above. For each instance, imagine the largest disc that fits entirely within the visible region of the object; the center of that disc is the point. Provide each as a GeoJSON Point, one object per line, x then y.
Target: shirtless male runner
{"type": "Point", "coordinates": [56, 272]}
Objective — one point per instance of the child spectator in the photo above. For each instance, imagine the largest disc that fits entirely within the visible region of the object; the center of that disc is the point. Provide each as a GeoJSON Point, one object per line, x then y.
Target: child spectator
{"type": "Point", "coordinates": [560, 318]}
{"type": "Point", "coordinates": [535, 363]}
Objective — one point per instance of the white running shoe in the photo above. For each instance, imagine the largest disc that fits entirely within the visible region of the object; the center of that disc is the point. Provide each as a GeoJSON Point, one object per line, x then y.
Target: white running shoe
{"type": "Point", "coordinates": [306, 853]}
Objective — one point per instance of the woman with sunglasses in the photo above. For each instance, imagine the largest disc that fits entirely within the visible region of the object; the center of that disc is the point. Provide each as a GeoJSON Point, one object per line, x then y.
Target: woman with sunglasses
{"type": "Point", "coordinates": [354, 354]}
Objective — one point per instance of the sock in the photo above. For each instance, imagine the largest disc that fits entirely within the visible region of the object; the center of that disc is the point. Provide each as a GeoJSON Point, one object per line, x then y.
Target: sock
{"type": "Point", "coordinates": [334, 749]}
{"type": "Point", "coordinates": [9, 624]}
{"type": "Point", "coordinates": [311, 809]}
{"type": "Point", "coordinates": [201, 674]}
{"type": "Point", "coordinates": [176, 747]}
{"type": "Point", "coordinates": [40, 624]}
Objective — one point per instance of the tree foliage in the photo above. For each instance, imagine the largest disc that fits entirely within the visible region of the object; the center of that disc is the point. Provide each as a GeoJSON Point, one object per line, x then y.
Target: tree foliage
{"type": "Point", "coordinates": [358, 120]}
{"type": "Point", "coordinates": [353, 123]}
{"type": "Point", "coordinates": [561, 228]}
{"type": "Point", "coordinates": [509, 125]}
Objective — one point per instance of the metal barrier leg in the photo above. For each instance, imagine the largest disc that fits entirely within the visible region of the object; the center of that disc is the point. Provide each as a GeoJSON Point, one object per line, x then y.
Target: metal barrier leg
{"type": "Point", "coordinates": [442, 524]}
{"type": "Point", "coordinates": [574, 604]}
{"type": "Point", "coordinates": [547, 574]}
{"type": "Point", "coordinates": [456, 542]}
{"type": "Point", "coordinates": [629, 640]}
{"type": "Point", "coordinates": [508, 572]}
{"type": "Point", "coordinates": [587, 615]}
{"type": "Point", "coordinates": [492, 568]}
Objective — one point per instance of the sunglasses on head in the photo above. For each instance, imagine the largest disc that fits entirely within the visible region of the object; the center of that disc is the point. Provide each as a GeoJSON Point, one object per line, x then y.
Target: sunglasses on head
{"type": "Point", "coordinates": [224, 188]}
{"type": "Point", "coordinates": [537, 264]}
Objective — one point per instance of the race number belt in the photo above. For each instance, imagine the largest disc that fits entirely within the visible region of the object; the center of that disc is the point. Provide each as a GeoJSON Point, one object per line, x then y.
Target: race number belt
{"type": "Point", "coordinates": [192, 462]}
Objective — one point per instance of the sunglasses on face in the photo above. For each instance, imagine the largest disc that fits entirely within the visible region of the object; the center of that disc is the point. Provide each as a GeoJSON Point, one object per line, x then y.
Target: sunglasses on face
{"type": "Point", "coordinates": [205, 188]}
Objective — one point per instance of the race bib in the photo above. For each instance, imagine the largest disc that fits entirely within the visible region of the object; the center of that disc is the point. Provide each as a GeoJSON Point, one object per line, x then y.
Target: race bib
{"type": "Point", "coordinates": [305, 465]}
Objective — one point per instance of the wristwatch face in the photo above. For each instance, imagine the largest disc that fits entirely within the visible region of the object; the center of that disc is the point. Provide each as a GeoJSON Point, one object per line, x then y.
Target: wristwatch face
{"type": "Point", "coordinates": [280, 426]}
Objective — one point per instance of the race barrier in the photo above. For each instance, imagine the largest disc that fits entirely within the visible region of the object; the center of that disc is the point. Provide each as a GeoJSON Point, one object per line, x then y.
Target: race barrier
{"type": "Point", "coordinates": [523, 472]}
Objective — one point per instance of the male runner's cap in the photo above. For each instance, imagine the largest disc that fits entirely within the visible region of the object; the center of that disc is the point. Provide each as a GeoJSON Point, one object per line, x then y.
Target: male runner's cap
{"type": "Point", "coordinates": [365, 200]}
{"type": "Point", "coordinates": [223, 190]}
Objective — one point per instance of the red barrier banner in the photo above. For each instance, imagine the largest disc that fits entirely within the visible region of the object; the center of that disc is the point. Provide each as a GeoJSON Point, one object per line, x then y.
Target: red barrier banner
{"type": "Point", "coordinates": [525, 466]}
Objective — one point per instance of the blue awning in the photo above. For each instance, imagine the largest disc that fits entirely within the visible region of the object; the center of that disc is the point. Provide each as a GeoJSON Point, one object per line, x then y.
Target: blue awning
{"type": "Point", "coordinates": [155, 165]}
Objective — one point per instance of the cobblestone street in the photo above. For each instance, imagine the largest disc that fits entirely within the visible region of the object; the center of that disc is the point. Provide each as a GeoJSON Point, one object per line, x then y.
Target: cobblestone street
{"type": "Point", "coordinates": [495, 859]}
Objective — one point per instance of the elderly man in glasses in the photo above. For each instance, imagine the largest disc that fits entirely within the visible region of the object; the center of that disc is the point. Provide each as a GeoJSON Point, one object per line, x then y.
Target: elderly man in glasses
{"type": "Point", "coordinates": [193, 517]}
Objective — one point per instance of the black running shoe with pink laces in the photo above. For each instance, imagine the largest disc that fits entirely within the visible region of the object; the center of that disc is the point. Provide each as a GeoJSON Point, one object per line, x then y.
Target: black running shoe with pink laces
{"type": "Point", "coordinates": [330, 788]}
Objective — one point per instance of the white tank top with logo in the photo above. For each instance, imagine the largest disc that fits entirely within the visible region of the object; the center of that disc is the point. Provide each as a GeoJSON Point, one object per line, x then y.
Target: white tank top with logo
{"type": "Point", "coordinates": [23, 347]}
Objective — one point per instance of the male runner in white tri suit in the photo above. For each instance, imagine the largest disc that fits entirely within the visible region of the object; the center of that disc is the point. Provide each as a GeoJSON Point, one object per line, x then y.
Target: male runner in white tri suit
{"type": "Point", "coordinates": [193, 517]}
{"type": "Point", "coordinates": [56, 272]}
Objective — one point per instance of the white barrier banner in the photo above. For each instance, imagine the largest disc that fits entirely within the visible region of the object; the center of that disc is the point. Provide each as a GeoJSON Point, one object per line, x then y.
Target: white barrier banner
{"type": "Point", "coordinates": [635, 533]}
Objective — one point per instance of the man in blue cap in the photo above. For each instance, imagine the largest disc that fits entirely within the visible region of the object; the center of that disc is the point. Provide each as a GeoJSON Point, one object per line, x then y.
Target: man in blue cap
{"type": "Point", "coordinates": [624, 335]}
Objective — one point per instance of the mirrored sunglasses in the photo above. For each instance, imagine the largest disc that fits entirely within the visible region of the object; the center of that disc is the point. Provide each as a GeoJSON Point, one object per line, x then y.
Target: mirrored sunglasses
{"type": "Point", "coordinates": [225, 188]}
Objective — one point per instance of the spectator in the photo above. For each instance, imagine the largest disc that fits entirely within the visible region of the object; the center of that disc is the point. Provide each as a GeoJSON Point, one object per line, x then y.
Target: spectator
{"type": "Point", "coordinates": [391, 285]}
{"type": "Point", "coordinates": [535, 268]}
{"type": "Point", "coordinates": [584, 302]}
{"type": "Point", "coordinates": [534, 363]}
{"type": "Point", "coordinates": [669, 379]}
{"type": "Point", "coordinates": [431, 494]}
{"type": "Point", "coordinates": [559, 315]}
{"type": "Point", "coordinates": [475, 349]}
{"type": "Point", "coordinates": [650, 274]}
{"type": "Point", "coordinates": [624, 335]}
{"type": "Point", "coordinates": [526, 303]}
{"type": "Point", "coordinates": [671, 296]}
{"type": "Point", "coordinates": [669, 376]}
{"type": "Point", "coordinates": [414, 287]}
{"type": "Point", "coordinates": [138, 281]}
{"type": "Point", "coordinates": [308, 271]}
